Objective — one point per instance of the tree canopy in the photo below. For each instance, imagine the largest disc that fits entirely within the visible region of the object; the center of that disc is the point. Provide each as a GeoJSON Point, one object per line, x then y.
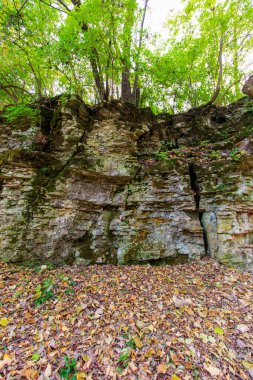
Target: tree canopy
{"type": "Point", "coordinates": [104, 49]}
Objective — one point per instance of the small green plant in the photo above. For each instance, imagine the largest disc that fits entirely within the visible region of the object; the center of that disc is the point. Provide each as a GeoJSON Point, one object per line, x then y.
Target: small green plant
{"type": "Point", "coordinates": [124, 358]}
{"type": "Point", "coordinates": [69, 291]}
{"type": "Point", "coordinates": [215, 154]}
{"type": "Point", "coordinates": [248, 107]}
{"type": "Point", "coordinates": [180, 151]}
{"type": "Point", "coordinates": [131, 343]}
{"type": "Point", "coordinates": [204, 143]}
{"type": "Point", "coordinates": [14, 113]}
{"type": "Point", "coordinates": [163, 156]}
{"type": "Point", "coordinates": [69, 370]}
{"type": "Point", "coordinates": [119, 369]}
{"type": "Point", "coordinates": [71, 284]}
{"type": "Point", "coordinates": [44, 292]}
{"type": "Point", "coordinates": [221, 186]}
{"type": "Point", "coordinates": [167, 145]}
{"type": "Point", "coordinates": [235, 154]}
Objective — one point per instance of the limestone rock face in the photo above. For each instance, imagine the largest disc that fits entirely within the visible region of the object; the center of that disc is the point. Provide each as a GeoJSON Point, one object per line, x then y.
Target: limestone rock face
{"type": "Point", "coordinates": [248, 87]}
{"type": "Point", "coordinates": [113, 184]}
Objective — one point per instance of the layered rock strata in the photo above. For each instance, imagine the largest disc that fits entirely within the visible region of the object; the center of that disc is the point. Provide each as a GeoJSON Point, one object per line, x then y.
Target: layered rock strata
{"type": "Point", "coordinates": [114, 184]}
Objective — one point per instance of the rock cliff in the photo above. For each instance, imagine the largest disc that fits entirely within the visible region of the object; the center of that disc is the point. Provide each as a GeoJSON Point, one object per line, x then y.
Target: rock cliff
{"type": "Point", "coordinates": [114, 184]}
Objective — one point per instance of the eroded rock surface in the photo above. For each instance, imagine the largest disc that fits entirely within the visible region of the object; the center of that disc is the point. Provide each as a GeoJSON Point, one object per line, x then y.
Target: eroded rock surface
{"type": "Point", "coordinates": [113, 184]}
{"type": "Point", "coordinates": [248, 87]}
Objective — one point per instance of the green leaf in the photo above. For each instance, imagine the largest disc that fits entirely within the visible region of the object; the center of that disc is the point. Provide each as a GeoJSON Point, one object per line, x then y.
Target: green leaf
{"type": "Point", "coordinates": [36, 356]}
{"type": "Point", "coordinates": [218, 331]}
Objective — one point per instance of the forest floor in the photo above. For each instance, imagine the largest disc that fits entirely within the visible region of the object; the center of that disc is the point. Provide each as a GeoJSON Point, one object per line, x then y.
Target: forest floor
{"type": "Point", "coordinates": [191, 321]}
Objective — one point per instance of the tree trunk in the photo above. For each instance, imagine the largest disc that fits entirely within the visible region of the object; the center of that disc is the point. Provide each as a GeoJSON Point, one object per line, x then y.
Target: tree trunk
{"type": "Point", "coordinates": [126, 92]}
{"type": "Point", "coordinates": [97, 77]}
{"type": "Point", "coordinates": [136, 89]}
{"type": "Point", "coordinates": [220, 63]}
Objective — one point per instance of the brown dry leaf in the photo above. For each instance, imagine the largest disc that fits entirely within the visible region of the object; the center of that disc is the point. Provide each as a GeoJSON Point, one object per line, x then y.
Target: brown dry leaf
{"type": "Point", "coordinates": [30, 373]}
{"type": "Point", "coordinates": [243, 328]}
{"type": "Point", "coordinates": [140, 307]}
{"type": "Point", "coordinates": [197, 324]}
{"type": "Point", "coordinates": [48, 371]}
{"type": "Point", "coordinates": [214, 371]}
{"type": "Point", "coordinates": [6, 361]}
{"type": "Point", "coordinates": [174, 358]}
{"type": "Point", "coordinates": [162, 368]}
{"type": "Point", "coordinates": [181, 302]}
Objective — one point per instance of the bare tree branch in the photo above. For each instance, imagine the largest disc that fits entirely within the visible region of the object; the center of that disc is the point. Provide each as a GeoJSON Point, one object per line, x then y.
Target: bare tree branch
{"type": "Point", "coordinates": [3, 87]}
{"type": "Point", "coordinates": [51, 6]}
{"type": "Point", "coordinates": [64, 5]}
{"type": "Point", "coordinates": [22, 6]}
{"type": "Point", "coordinates": [227, 90]}
{"type": "Point", "coordinates": [10, 94]}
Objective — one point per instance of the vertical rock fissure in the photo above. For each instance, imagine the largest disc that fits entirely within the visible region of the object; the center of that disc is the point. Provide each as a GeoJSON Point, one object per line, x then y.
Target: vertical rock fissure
{"type": "Point", "coordinates": [194, 185]}
{"type": "Point", "coordinates": [197, 197]}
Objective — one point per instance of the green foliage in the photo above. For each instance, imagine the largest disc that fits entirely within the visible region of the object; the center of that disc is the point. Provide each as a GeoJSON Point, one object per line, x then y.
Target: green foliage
{"type": "Point", "coordinates": [215, 154]}
{"type": "Point", "coordinates": [14, 113]}
{"type": "Point", "coordinates": [69, 370]}
{"type": "Point", "coordinates": [124, 358]}
{"type": "Point", "coordinates": [218, 331]}
{"type": "Point", "coordinates": [44, 292]}
{"type": "Point", "coordinates": [163, 156]}
{"type": "Point", "coordinates": [221, 186]}
{"type": "Point", "coordinates": [55, 47]}
{"type": "Point", "coordinates": [248, 107]}
{"type": "Point", "coordinates": [36, 356]}
{"type": "Point", "coordinates": [131, 343]}
{"type": "Point", "coordinates": [187, 73]}
{"type": "Point", "coordinates": [235, 154]}
{"type": "Point", "coordinates": [71, 289]}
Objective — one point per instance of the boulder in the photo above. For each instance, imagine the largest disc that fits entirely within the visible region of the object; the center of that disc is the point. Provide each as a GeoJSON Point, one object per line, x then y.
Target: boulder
{"type": "Point", "coordinates": [248, 87]}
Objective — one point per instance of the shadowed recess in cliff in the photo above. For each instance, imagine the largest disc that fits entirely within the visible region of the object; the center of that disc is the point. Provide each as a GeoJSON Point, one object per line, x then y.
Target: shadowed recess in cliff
{"type": "Point", "coordinates": [197, 197]}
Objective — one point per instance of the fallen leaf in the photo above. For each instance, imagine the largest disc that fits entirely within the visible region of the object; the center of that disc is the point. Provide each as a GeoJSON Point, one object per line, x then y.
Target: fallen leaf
{"type": "Point", "coordinates": [6, 361]}
{"type": "Point", "coordinates": [247, 365]}
{"type": "Point", "coordinates": [175, 377]}
{"type": "Point", "coordinates": [243, 328]}
{"type": "Point", "coordinates": [48, 371]}
{"type": "Point", "coordinates": [174, 358]}
{"type": "Point", "coordinates": [214, 371]}
{"type": "Point", "coordinates": [137, 341]}
{"type": "Point", "coordinates": [162, 368]}
{"type": "Point", "coordinates": [82, 375]}
{"type": "Point", "coordinates": [30, 373]}
{"type": "Point", "coordinates": [4, 322]}
{"type": "Point", "coordinates": [181, 302]}
{"type": "Point", "coordinates": [36, 356]}
{"type": "Point", "coordinates": [218, 331]}
{"type": "Point", "coordinates": [139, 324]}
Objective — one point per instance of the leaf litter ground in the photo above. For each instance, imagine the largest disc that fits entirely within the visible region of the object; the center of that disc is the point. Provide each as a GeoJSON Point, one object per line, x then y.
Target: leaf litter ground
{"type": "Point", "coordinates": [191, 321]}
